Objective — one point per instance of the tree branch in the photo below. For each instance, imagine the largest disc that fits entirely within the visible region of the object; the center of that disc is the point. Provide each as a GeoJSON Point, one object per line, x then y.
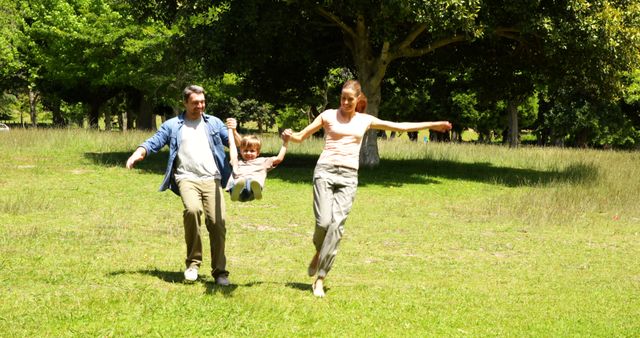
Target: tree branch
{"type": "Point", "coordinates": [417, 30]}
{"type": "Point", "coordinates": [333, 18]}
{"type": "Point", "coordinates": [384, 53]}
{"type": "Point", "coordinates": [500, 30]}
{"type": "Point", "coordinates": [412, 52]}
{"type": "Point", "coordinates": [509, 33]}
{"type": "Point", "coordinates": [516, 34]}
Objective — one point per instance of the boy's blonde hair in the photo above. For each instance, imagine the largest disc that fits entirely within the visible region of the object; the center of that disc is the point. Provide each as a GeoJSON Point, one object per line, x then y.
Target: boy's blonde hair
{"type": "Point", "coordinates": [250, 141]}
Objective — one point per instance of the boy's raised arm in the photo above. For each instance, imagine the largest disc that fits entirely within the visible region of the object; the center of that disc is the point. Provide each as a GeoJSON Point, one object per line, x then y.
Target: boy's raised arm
{"type": "Point", "coordinates": [286, 135]}
{"type": "Point", "coordinates": [233, 150]}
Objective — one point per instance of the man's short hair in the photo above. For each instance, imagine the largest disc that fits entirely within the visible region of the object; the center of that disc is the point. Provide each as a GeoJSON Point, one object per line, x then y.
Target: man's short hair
{"type": "Point", "coordinates": [191, 90]}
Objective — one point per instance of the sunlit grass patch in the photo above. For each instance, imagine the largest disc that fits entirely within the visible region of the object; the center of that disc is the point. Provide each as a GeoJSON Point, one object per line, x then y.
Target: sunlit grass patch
{"type": "Point", "coordinates": [443, 240]}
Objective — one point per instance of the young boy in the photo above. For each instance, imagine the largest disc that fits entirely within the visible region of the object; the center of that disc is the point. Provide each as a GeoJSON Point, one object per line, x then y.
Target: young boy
{"type": "Point", "coordinates": [250, 171]}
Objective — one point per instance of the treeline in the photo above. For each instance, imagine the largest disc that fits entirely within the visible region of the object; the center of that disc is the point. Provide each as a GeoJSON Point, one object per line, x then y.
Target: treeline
{"type": "Point", "coordinates": [567, 70]}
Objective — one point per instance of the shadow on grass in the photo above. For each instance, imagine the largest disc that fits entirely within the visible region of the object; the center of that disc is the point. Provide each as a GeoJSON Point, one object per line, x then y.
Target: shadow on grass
{"type": "Point", "coordinates": [305, 287]}
{"type": "Point", "coordinates": [211, 287]}
{"type": "Point", "coordinates": [178, 277]}
{"type": "Point", "coordinates": [298, 168]}
{"type": "Point", "coordinates": [155, 163]}
{"type": "Point", "coordinates": [299, 286]}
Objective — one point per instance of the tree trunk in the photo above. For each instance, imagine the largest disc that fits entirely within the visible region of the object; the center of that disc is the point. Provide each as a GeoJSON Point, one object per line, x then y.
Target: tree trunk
{"type": "Point", "coordinates": [132, 99]}
{"type": "Point", "coordinates": [485, 137]}
{"type": "Point", "coordinates": [122, 120]}
{"type": "Point", "coordinates": [107, 118]}
{"type": "Point", "coordinates": [371, 70]}
{"type": "Point", "coordinates": [116, 105]}
{"type": "Point", "coordinates": [514, 131]}
{"type": "Point", "coordinates": [130, 119]}
{"type": "Point", "coordinates": [325, 99]}
{"type": "Point", "coordinates": [94, 114]}
{"type": "Point", "coordinates": [32, 108]}
{"type": "Point", "coordinates": [56, 112]}
{"type": "Point", "coordinates": [312, 114]}
{"type": "Point", "coordinates": [439, 137]}
{"type": "Point", "coordinates": [456, 135]}
{"type": "Point", "coordinates": [557, 140]}
{"type": "Point", "coordinates": [581, 138]}
{"type": "Point", "coordinates": [369, 156]}
{"type": "Point", "coordinates": [145, 114]}
{"type": "Point", "coordinates": [21, 116]}
{"type": "Point", "coordinates": [139, 108]}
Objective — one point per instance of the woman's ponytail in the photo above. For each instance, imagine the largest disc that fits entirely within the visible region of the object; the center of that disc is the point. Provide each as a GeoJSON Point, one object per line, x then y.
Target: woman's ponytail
{"type": "Point", "coordinates": [361, 106]}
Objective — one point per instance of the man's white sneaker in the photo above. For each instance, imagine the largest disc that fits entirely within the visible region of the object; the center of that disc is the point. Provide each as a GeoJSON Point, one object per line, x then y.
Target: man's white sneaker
{"type": "Point", "coordinates": [191, 274]}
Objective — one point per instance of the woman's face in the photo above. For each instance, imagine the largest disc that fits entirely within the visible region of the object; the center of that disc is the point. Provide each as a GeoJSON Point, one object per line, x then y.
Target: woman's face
{"type": "Point", "coordinates": [348, 100]}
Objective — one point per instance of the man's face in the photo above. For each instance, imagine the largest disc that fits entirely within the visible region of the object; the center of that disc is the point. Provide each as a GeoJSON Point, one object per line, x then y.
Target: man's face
{"type": "Point", "coordinates": [195, 105]}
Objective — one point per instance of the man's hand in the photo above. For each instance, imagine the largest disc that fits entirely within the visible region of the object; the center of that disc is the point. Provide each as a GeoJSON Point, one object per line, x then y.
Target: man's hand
{"type": "Point", "coordinates": [137, 155]}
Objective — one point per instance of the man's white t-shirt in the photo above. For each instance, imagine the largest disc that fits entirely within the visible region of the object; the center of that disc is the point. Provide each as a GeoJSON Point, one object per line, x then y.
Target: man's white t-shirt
{"type": "Point", "coordinates": [195, 158]}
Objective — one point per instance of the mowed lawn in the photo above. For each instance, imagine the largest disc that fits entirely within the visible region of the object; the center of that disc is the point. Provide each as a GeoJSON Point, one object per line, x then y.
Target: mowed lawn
{"type": "Point", "coordinates": [443, 240]}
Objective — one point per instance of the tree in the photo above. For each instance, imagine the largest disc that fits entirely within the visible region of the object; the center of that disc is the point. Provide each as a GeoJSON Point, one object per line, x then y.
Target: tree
{"type": "Point", "coordinates": [89, 51]}
{"type": "Point", "coordinates": [299, 41]}
{"type": "Point", "coordinates": [8, 106]}
{"type": "Point", "coordinates": [12, 39]}
{"type": "Point", "coordinates": [282, 46]}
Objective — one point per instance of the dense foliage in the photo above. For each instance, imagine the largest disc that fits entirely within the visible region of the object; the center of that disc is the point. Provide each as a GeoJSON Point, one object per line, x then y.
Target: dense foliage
{"type": "Point", "coordinates": [567, 71]}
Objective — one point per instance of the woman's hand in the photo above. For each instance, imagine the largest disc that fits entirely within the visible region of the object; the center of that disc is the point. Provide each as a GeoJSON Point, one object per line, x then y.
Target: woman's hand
{"type": "Point", "coordinates": [286, 135]}
{"type": "Point", "coordinates": [441, 126]}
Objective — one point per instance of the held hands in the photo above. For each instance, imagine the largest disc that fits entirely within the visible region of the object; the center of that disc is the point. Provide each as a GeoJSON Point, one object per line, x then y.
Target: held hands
{"type": "Point", "coordinates": [232, 123]}
{"type": "Point", "coordinates": [286, 135]}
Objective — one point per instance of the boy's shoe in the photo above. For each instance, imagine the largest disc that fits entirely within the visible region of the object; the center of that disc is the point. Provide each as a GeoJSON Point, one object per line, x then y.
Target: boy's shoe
{"type": "Point", "coordinates": [191, 274]}
{"type": "Point", "coordinates": [237, 190]}
{"type": "Point", "coordinates": [222, 280]}
{"type": "Point", "coordinates": [256, 189]}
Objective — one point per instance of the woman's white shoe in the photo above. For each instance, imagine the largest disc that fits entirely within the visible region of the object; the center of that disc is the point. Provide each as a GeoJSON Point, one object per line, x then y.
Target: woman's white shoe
{"type": "Point", "coordinates": [318, 288]}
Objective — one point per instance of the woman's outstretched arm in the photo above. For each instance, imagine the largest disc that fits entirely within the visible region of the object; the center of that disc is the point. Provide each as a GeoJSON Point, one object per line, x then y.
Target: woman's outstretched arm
{"type": "Point", "coordinates": [439, 126]}
{"type": "Point", "coordinates": [307, 131]}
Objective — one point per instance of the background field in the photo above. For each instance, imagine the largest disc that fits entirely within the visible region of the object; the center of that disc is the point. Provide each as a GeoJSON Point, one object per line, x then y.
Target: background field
{"type": "Point", "coordinates": [443, 240]}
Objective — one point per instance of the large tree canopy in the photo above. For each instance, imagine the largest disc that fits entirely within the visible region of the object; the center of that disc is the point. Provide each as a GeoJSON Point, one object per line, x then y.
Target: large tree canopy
{"type": "Point", "coordinates": [87, 51]}
{"type": "Point", "coordinates": [274, 43]}
{"type": "Point", "coordinates": [12, 40]}
{"type": "Point", "coordinates": [478, 63]}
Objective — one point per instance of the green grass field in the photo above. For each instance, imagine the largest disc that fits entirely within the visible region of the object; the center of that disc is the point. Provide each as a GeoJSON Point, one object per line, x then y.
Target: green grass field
{"type": "Point", "coordinates": [443, 240]}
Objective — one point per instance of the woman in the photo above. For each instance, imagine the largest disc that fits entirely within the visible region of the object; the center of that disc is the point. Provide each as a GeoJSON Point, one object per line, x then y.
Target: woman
{"type": "Point", "coordinates": [335, 177]}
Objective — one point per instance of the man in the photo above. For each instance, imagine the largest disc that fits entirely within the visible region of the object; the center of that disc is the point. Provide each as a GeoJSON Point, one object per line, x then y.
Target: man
{"type": "Point", "coordinates": [197, 171]}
